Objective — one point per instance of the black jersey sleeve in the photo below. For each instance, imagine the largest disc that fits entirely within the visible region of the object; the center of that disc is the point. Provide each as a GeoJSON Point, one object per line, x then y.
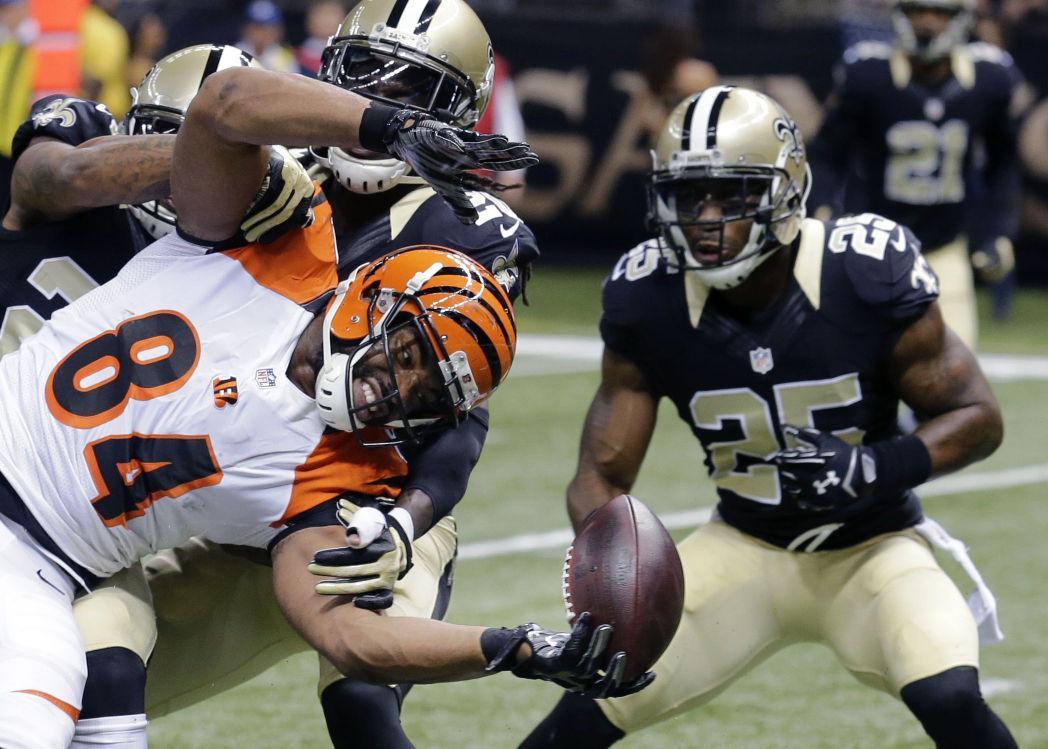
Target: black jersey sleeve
{"type": "Point", "coordinates": [627, 297]}
{"type": "Point", "coordinates": [830, 152]}
{"type": "Point", "coordinates": [498, 239]}
{"type": "Point", "coordinates": [65, 118]}
{"type": "Point", "coordinates": [885, 267]}
{"type": "Point", "coordinates": [997, 213]}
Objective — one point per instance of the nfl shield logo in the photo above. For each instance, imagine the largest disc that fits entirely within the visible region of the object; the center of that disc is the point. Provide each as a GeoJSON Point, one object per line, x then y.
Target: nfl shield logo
{"type": "Point", "coordinates": [761, 361]}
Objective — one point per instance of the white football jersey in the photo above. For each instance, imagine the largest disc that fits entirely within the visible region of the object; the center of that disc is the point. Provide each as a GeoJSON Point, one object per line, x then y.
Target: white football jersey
{"type": "Point", "coordinates": [157, 407]}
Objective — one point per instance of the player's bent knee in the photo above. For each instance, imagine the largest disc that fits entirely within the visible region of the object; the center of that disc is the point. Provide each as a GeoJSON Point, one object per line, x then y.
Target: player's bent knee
{"type": "Point", "coordinates": [31, 722]}
{"type": "Point", "coordinates": [363, 716]}
{"type": "Point", "coordinates": [116, 684]}
{"type": "Point", "coordinates": [951, 708]}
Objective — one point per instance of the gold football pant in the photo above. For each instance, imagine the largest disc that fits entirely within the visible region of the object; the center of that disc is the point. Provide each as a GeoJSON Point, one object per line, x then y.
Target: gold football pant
{"type": "Point", "coordinates": [956, 288]}
{"type": "Point", "coordinates": [206, 619]}
{"type": "Point", "coordinates": [885, 607]}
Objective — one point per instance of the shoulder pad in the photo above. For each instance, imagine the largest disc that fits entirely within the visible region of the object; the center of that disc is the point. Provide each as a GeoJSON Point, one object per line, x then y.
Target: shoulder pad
{"type": "Point", "coordinates": [498, 239]}
{"type": "Point", "coordinates": [65, 118]}
{"type": "Point", "coordinates": [882, 260]}
{"type": "Point", "coordinates": [628, 296]}
{"type": "Point", "coordinates": [867, 50]}
{"type": "Point", "coordinates": [985, 52]}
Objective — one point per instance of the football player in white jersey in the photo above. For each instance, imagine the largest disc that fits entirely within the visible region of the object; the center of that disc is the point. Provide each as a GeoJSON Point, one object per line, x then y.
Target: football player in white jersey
{"type": "Point", "coordinates": [200, 591]}
{"type": "Point", "coordinates": [202, 392]}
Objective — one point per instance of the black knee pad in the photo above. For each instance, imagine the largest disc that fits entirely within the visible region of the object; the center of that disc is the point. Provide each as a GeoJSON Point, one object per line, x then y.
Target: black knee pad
{"type": "Point", "coordinates": [116, 684]}
{"type": "Point", "coordinates": [363, 716]}
{"type": "Point", "coordinates": [953, 712]}
{"type": "Point", "coordinates": [574, 723]}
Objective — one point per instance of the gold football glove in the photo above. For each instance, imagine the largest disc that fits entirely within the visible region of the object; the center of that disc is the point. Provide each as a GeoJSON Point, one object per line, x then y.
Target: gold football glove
{"type": "Point", "coordinates": [284, 201]}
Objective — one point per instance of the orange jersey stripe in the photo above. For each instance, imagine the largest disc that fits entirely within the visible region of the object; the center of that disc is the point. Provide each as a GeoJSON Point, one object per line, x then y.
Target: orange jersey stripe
{"type": "Point", "coordinates": [340, 464]}
{"type": "Point", "coordinates": [301, 265]}
{"type": "Point", "coordinates": [65, 707]}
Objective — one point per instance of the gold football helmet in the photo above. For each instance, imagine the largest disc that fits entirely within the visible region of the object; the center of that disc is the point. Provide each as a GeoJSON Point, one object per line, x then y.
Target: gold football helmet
{"type": "Point", "coordinates": [431, 55]}
{"type": "Point", "coordinates": [159, 105]}
{"type": "Point", "coordinates": [742, 148]}
{"type": "Point", "coordinates": [929, 48]}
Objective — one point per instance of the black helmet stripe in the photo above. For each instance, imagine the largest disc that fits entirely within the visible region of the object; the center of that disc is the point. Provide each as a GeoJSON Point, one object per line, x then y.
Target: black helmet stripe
{"type": "Point", "coordinates": [451, 291]}
{"type": "Point", "coordinates": [701, 118]}
{"type": "Point", "coordinates": [482, 339]}
{"type": "Point", "coordinates": [214, 57]}
{"type": "Point", "coordinates": [494, 288]}
{"type": "Point", "coordinates": [414, 16]}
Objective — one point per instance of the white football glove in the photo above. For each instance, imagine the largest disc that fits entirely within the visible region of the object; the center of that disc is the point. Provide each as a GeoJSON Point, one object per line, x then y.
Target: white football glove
{"type": "Point", "coordinates": [379, 555]}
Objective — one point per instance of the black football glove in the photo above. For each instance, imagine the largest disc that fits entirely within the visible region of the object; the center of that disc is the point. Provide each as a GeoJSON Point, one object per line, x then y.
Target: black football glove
{"type": "Point", "coordinates": [443, 154]}
{"type": "Point", "coordinates": [826, 473]}
{"type": "Point", "coordinates": [994, 260]}
{"type": "Point", "coordinates": [368, 573]}
{"type": "Point", "coordinates": [569, 659]}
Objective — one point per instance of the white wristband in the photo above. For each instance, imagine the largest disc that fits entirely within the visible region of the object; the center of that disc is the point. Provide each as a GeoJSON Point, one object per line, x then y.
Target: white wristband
{"type": "Point", "coordinates": [404, 518]}
{"type": "Point", "coordinates": [368, 523]}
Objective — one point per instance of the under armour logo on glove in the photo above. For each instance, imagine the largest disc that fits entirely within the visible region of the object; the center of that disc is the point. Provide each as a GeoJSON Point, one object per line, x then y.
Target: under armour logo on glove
{"type": "Point", "coordinates": [825, 473]}
{"type": "Point", "coordinates": [831, 480]}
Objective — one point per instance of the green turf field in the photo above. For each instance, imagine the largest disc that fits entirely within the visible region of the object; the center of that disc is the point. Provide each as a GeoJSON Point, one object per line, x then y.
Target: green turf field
{"type": "Point", "coordinates": [799, 698]}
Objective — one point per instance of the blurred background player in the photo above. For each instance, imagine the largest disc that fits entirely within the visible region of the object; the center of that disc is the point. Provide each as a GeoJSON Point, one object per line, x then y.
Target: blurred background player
{"type": "Point", "coordinates": [263, 37]}
{"type": "Point", "coordinates": [322, 22]}
{"type": "Point", "coordinates": [924, 132]}
{"type": "Point", "coordinates": [104, 53]}
{"type": "Point", "coordinates": [785, 344]}
{"type": "Point", "coordinates": [17, 65]}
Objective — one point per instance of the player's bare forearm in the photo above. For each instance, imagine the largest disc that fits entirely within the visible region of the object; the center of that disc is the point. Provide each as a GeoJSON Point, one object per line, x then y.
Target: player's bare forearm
{"type": "Point", "coordinates": [221, 153]}
{"type": "Point", "coordinates": [363, 644]}
{"type": "Point", "coordinates": [940, 379]}
{"type": "Point", "coordinates": [53, 180]}
{"type": "Point", "coordinates": [615, 437]}
{"type": "Point", "coordinates": [420, 506]}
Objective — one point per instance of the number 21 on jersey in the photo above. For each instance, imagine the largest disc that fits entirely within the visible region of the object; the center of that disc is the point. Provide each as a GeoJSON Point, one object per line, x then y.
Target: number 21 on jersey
{"type": "Point", "coordinates": [143, 358]}
{"type": "Point", "coordinates": [743, 421]}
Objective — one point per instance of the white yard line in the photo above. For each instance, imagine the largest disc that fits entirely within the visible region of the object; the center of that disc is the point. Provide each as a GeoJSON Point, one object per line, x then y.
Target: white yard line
{"type": "Point", "coordinates": [559, 539]}
{"type": "Point", "coordinates": [582, 354]}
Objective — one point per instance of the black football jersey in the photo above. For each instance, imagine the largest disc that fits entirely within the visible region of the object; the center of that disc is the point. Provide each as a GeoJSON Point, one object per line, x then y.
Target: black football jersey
{"type": "Point", "coordinates": [498, 239]}
{"type": "Point", "coordinates": [819, 357]}
{"type": "Point", "coordinates": [46, 267]}
{"type": "Point", "coordinates": [939, 159]}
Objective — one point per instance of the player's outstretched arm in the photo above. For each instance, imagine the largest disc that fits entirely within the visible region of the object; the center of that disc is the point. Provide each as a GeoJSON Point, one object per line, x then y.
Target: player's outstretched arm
{"type": "Point", "coordinates": [221, 152]}
{"type": "Point", "coordinates": [382, 649]}
{"type": "Point", "coordinates": [940, 379]}
{"type": "Point", "coordinates": [53, 180]}
{"type": "Point", "coordinates": [615, 437]}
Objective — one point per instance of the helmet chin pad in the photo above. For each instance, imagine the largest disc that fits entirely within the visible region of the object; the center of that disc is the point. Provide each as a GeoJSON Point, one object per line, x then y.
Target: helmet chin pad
{"type": "Point", "coordinates": [365, 176]}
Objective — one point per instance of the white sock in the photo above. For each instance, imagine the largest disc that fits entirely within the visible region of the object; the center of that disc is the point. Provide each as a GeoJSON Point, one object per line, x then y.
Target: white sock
{"type": "Point", "coordinates": [116, 732]}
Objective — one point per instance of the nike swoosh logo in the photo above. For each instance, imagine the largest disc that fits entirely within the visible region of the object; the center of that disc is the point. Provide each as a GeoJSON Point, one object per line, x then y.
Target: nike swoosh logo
{"type": "Point", "coordinates": [900, 243]}
{"type": "Point", "coordinates": [507, 233]}
{"type": "Point", "coordinates": [132, 474]}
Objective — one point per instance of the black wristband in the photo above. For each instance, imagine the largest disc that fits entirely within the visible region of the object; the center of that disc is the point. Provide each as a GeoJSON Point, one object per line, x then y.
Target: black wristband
{"type": "Point", "coordinates": [902, 463]}
{"type": "Point", "coordinates": [499, 646]}
{"type": "Point", "coordinates": [396, 527]}
{"type": "Point", "coordinates": [373, 124]}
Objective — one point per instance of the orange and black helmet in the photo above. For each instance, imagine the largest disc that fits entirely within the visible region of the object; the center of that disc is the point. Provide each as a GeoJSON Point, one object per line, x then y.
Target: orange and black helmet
{"type": "Point", "coordinates": [444, 301]}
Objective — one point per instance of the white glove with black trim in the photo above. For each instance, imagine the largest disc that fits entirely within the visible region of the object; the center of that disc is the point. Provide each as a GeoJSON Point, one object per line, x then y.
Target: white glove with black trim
{"type": "Point", "coordinates": [379, 556]}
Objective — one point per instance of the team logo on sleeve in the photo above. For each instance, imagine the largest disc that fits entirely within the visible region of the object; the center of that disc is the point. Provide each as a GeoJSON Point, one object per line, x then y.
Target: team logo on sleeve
{"type": "Point", "coordinates": [761, 361]}
{"type": "Point", "coordinates": [60, 110]}
{"type": "Point", "coordinates": [225, 391]}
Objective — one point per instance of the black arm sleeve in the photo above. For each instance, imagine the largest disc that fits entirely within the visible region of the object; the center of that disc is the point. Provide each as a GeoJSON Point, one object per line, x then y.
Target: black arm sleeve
{"type": "Point", "coordinates": [997, 214]}
{"type": "Point", "coordinates": [442, 467]}
{"type": "Point", "coordinates": [830, 151]}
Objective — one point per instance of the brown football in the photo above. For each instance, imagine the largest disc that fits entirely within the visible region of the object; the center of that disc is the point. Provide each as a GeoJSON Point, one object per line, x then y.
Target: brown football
{"type": "Point", "coordinates": [623, 568]}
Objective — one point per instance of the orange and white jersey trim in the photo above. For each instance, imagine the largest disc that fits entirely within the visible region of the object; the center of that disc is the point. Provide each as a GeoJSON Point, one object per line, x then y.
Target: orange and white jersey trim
{"type": "Point", "coordinates": [157, 407]}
